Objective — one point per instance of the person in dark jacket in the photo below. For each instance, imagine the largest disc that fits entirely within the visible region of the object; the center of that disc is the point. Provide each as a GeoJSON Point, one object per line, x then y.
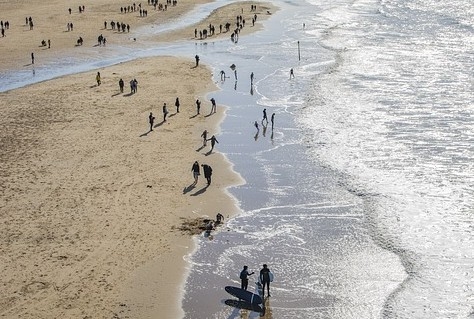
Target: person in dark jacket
{"type": "Point", "coordinates": [207, 173]}
{"type": "Point", "coordinates": [244, 280]}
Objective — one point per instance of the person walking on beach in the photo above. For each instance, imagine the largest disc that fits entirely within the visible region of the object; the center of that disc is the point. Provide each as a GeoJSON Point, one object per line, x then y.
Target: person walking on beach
{"type": "Point", "coordinates": [121, 85]}
{"type": "Point", "coordinates": [176, 103]}
{"type": "Point", "coordinates": [265, 116]}
{"type": "Point", "coordinates": [244, 280]}
{"type": "Point", "coordinates": [151, 120]}
{"type": "Point", "coordinates": [251, 78]}
{"type": "Point", "coordinates": [265, 279]}
{"type": "Point", "coordinates": [165, 112]}
{"type": "Point", "coordinates": [213, 106]}
{"type": "Point", "coordinates": [197, 60]}
{"type": "Point", "coordinates": [198, 106]}
{"type": "Point", "coordinates": [213, 140]}
{"type": "Point", "coordinates": [207, 170]}
{"type": "Point", "coordinates": [256, 126]}
{"type": "Point", "coordinates": [222, 75]}
{"type": "Point", "coordinates": [204, 138]}
{"type": "Point", "coordinates": [219, 218]}
{"type": "Point", "coordinates": [97, 78]}
{"type": "Point", "coordinates": [292, 75]}
{"type": "Point", "coordinates": [196, 173]}
{"type": "Point", "coordinates": [272, 119]}
{"type": "Point", "coordinates": [135, 85]}
{"type": "Point", "coordinates": [32, 58]}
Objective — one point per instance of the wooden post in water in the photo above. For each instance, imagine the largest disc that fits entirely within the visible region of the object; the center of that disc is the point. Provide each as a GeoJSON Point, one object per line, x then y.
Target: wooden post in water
{"type": "Point", "coordinates": [299, 55]}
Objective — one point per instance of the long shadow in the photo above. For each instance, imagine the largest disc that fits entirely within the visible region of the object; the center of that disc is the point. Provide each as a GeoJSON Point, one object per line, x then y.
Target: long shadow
{"type": "Point", "coordinates": [208, 153]}
{"type": "Point", "coordinates": [145, 134]}
{"type": "Point", "coordinates": [93, 86]}
{"type": "Point", "coordinates": [159, 124]}
{"type": "Point", "coordinates": [210, 114]}
{"type": "Point", "coordinates": [199, 192]}
{"type": "Point", "coordinates": [200, 148]}
{"type": "Point", "coordinates": [189, 188]}
{"type": "Point", "coordinates": [116, 94]}
{"type": "Point", "coordinates": [191, 117]}
{"type": "Point", "coordinates": [171, 115]}
{"type": "Point", "coordinates": [128, 94]}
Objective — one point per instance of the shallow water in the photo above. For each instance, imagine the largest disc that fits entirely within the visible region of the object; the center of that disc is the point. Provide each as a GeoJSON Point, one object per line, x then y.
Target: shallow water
{"type": "Point", "coordinates": [361, 203]}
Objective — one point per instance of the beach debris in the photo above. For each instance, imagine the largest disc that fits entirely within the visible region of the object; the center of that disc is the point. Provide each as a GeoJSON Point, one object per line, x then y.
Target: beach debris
{"type": "Point", "coordinates": [193, 226]}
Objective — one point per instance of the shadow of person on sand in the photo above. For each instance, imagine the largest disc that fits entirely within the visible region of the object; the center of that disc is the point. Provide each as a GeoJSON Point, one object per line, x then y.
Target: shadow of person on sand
{"type": "Point", "coordinates": [208, 153]}
{"type": "Point", "coordinates": [201, 191]}
{"type": "Point", "coordinates": [191, 117]}
{"type": "Point", "coordinates": [118, 93]}
{"type": "Point", "coordinates": [159, 124]}
{"type": "Point", "coordinates": [189, 188]}
{"type": "Point", "coordinates": [128, 94]}
{"type": "Point", "coordinates": [145, 134]}
{"type": "Point", "coordinates": [199, 149]}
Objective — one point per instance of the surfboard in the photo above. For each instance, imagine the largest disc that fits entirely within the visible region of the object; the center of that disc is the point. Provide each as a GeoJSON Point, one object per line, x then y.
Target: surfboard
{"type": "Point", "coordinates": [270, 274]}
{"type": "Point", "coordinates": [259, 288]}
{"type": "Point", "coordinates": [245, 305]}
{"type": "Point", "coordinates": [244, 295]}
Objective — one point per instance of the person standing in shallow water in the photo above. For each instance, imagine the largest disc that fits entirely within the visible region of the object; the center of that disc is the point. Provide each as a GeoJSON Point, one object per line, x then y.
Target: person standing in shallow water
{"type": "Point", "coordinates": [264, 116]}
{"type": "Point", "coordinates": [273, 120]}
{"type": "Point", "coordinates": [265, 279]}
{"type": "Point", "coordinates": [244, 280]}
{"type": "Point", "coordinates": [213, 106]}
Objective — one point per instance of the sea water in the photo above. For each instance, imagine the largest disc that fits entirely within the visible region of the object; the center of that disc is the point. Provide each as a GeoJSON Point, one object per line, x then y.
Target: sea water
{"type": "Point", "coordinates": [360, 200]}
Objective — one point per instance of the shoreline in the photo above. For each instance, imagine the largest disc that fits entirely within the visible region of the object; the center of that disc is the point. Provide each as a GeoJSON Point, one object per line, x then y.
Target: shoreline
{"type": "Point", "coordinates": [65, 298]}
{"type": "Point", "coordinates": [102, 213]}
{"type": "Point", "coordinates": [65, 57]}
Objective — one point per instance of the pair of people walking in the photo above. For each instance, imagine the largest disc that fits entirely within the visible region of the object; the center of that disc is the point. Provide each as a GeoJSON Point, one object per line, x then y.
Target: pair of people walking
{"type": "Point", "coordinates": [207, 170]}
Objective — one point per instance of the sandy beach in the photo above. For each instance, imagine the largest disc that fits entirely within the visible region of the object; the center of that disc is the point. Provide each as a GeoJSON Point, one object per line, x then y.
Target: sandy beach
{"type": "Point", "coordinates": [91, 197]}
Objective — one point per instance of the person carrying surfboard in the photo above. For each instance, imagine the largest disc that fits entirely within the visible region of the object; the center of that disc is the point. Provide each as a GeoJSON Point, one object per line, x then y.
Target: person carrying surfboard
{"type": "Point", "coordinates": [265, 279]}
{"type": "Point", "coordinates": [244, 280]}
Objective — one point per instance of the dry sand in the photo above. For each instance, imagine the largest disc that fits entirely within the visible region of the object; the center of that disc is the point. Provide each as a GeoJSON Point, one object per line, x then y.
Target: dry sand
{"type": "Point", "coordinates": [89, 197]}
